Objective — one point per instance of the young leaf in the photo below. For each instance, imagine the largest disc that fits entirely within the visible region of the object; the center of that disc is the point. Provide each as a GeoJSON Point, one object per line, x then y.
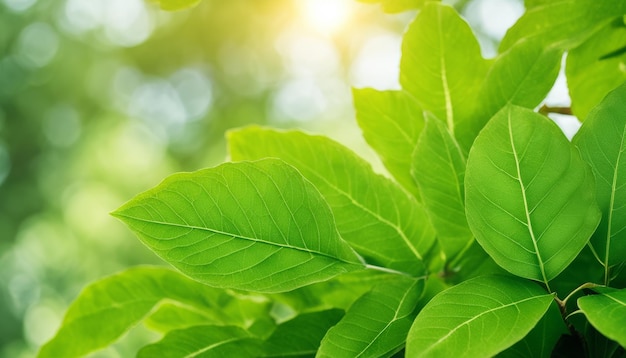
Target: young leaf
{"type": "Point", "coordinates": [373, 214]}
{"type": "Point", "coordinates": [391, 122]}
{"type": "Point", "coordinates": [442, 67]}
{"type": "Point", "coordinates": [529, 195]}
{"type": "Point", "coordinates": [588, 67]}
{"type": "Point", "coordinates": [564, 24]}
{"type": "Point", "coordinates": [439, 171]}
{"type": "Point", "coordinates": [204, 341]}
{"type": "Point", "coordinates": [377, 324]}
{"type": "Point", "coordinates": [256, 226]}
{"type": "Point", "coordinates": [175, 5]}
{"type": "Point", "coordinates": [108, 308]}
{"type": "Point", "coordinates": [602, 143]}
{"type": "Point", "coordinates": [477, 318]}
{"type": "Point", "coordinates": [606, 311]}
{"type": "Point", "coordinates": [301, 336]}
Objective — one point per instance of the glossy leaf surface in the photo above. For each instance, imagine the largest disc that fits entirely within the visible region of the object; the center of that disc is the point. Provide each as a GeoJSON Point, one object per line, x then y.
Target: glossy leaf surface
{"type": "Point", "coordinates": [477, 318]}
{"type": "Point", "coordinates": [391, 122]}
{"type": "Point", "coordinates": [372, 213]}
{"type": "Point", "coordinates": [602, 143]}
{"type": "Point", "coordinates": [529, 195]}
{"type": "Point", "coordinates": [607, 312]}
{"type": "Point", "coordinates": [376, 325]}
{"type": "Point", "coordinates": [256, 226]}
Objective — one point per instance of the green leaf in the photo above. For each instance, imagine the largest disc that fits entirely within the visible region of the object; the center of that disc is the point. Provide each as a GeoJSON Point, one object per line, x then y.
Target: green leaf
{"type": "Point", "coordinates": [391, 122]}
{"type": "Point", "coordinates": [472, 263]}
{"type": "Point", "coordinates": [395, 6]}
{"type": "Point", "coordinates": [477, 318]}
{"type": "Point", "coordinates": [606, 311]}
{"type": "Point", "coordinates": [301, 336]}
{"type": "Point", "coordinates": [529, 195]}
{"type": "Point", "coordinates": [377, 324]}
{"type": "Point", "coordinates": [121, 301]}
{"type": "Point", "coordinates": [540, 341]}
{"type": "Point", "coordinates": [438, 51]}
{"type": "Point", "coordinates": [175, 5]}
{"type": "Point", "coordinates": [439, 171]}
{"type": "Point", "coordinates": [374, 215]}
{"type": "Point", "coordinates": [256, 226]}
{"type": "Point", "coordinates": [204, 341]}
{"type": "Point", "coordinates": [602, 143]}
{"type": "Point", "coordinates": [588, 67]}
{"type": "Point", "coordinates": [169, 316]}
{"type": "Point", "coordinates": [564, 23]}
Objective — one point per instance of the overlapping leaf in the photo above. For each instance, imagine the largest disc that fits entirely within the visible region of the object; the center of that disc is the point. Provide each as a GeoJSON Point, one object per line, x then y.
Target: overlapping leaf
{"type": "Point", "coordinates": [376, 325]}
{"type": "Point", "coordinates": [602, 143]}
{"type": "Point", "coordinates": [477, 318]}
{"type": "Point", "coordinates": [563, 23]}
{"type": "Point", "coordinates": [596, 67]}
{"type": "Point", "coordinates": [374, 215]}
{"type": "Point", "coordinates": [442, 68]}
{"type": "Point", "coordinates": [391, 122]}
{"type": "Point", "coordinates": [253, 225]}
{"type": "Point", "coordinates": [204, 341]}
{"type": "Point", "coordinates": [607, 312]}
{"type": "Point", "coordinates": [121, 301]}
{"type": "Point", "coordinates": [439, 170]}
{"type": "Point", "coordinates": [529, 195]}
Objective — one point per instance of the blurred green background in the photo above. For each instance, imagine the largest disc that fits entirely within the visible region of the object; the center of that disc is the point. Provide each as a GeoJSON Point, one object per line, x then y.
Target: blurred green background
{"type": "Point", "coordinates": [101, 99]}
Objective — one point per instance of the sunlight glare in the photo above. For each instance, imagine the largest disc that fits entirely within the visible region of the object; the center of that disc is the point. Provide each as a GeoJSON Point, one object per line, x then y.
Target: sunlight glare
{"type": "Point", "coordinates": [326, 16]}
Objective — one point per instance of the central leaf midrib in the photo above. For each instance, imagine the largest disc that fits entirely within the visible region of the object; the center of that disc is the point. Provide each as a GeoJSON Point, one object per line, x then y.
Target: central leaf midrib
{"type": "Point", "coordinates": [611, 206]}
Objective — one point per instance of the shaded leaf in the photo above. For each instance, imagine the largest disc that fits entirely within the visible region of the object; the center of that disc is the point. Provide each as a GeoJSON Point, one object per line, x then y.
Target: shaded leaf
{"type": "Point", "coordinates": [174, 5]}
{"type": "Point", "coordinates": [443, 69]}
{"type": "Point", "coordinates": [606, 311]}
{"type": "Point", "coordinates": [439, 171]}
{"type": "Point", "coordinates": [529, 195]}
{"type": "Point", "coordinates": [602, 143]}
{"type": "Point", "coordinates": [591, 76]}
{"type": "Point", "coordinates": [374, 215]}
{"type": "Point", "coordinates": [477, 318]}
{"type": "Point", "coordinates": [204, 341]}
{"type": "Point", "coordinates": [391, 122]}
{"type": "Point", "coordinates": [122, 300]}
{"type": "Point", "coordinates": [301, 336]}
{"type": "Point", "coordinates": [564, 23]}
{"type": "Point", "coordinates": [256, 226]}
{"type": "Point", "coordinates": [376, 325]}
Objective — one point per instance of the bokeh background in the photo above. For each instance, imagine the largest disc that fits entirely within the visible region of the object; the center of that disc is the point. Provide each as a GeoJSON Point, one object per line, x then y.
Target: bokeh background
{"type": "Point", "coordinates": [101, 99]}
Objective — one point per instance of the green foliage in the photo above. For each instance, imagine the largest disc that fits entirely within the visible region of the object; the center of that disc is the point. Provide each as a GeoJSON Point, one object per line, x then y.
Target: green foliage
{"type": "Point", "coordinates": [335, 260]}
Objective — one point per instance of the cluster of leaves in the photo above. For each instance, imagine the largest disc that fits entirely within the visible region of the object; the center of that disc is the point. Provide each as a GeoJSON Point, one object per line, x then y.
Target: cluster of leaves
{"type": "Point", "coordinates": [496, 235]}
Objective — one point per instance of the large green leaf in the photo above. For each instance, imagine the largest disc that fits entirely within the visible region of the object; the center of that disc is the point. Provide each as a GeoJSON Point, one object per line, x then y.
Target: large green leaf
{"type": "Point", "coordinates": [256, 226]}
{"type": "Point", "coordinates": [108, 308]}
{"type": "Point", "coordinates": [602, 143]}
{"type": "Point", "coordinates": [301, 335]}
{"type": "Point", "coordinates": [607, 312]}
{"type": "Point", "coordinates": [442, 67]}
{"type": "Point", "coordinates": [391, 122]}
{"type": "Point", "coordinates": [563, 23]}
{"type": "Point", "coordinates": [529, 195]}
{"type": "Point", "coordinates": [477, 318]}
{"type": "Point", "coordinates": [374, 215]}
{"type": "Point", "coordinates": [377, 324]}
{"type": "Point", "coordinates": [596, 67]}
{"type": "Point", "coordinates": [174, 5]}
{"type": "Point", "coordinates": [204, 341]}
{"type": "Point", "coordinates": [439, 170]}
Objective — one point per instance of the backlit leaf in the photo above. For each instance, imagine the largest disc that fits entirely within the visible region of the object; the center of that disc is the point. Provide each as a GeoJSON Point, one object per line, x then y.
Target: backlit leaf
{"type": "Point", "coordinates": [391, 122]}
{"type": "Point", "coordinates": [256, 226]}
{"type": "Point", "coordinates": [607, 312]}
{"type": "Point", "coordinates": [529, 195]}
{"type": "Point", "coordinates": [382, 222]}
{"type": "Point", "coordinates": [376, 325]}
{"type": "Point", "coordinates": [442, 68]}
{"type": "Point", "coordinates": [108, 308]}
{"type": "Point", "coordinates": [439, 170]}
{"type": "Point", "coordinates": [602, 143]}
{"type": "Point", "coordinates": [477, 318]}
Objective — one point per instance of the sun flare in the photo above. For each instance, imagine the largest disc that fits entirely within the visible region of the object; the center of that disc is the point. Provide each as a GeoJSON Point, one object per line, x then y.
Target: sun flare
{"type": "Point", "coordinates": [325, 16]}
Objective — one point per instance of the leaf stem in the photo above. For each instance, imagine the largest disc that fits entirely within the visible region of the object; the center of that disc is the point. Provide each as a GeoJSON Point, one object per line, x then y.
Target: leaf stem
{"type": "Point", "coordinates": [545, 109]}
{"type": "Point", "coordinates": [581, 287]}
